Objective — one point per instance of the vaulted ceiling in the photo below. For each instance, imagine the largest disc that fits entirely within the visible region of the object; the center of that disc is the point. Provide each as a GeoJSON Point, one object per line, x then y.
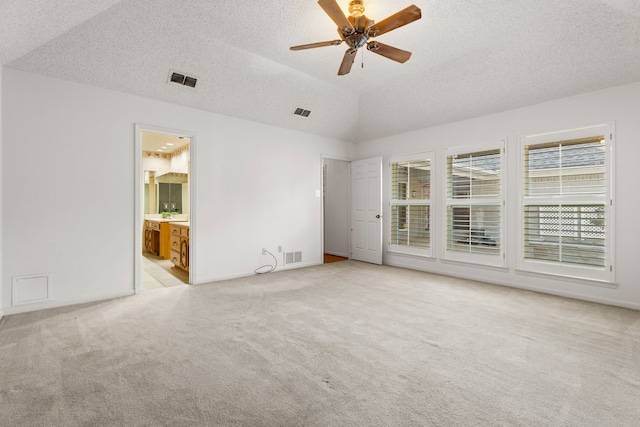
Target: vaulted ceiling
{"type": "Point", "coordinates": [470, 57]}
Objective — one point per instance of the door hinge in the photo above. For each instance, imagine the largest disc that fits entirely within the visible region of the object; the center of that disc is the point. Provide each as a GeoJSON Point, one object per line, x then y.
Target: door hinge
{"type": "Point", "coordinates": [611, 268]}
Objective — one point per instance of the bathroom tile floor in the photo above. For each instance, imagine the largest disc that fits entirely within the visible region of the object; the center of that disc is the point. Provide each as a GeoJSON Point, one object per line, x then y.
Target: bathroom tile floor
{"type": "Point", "coordinates": [160, 273]}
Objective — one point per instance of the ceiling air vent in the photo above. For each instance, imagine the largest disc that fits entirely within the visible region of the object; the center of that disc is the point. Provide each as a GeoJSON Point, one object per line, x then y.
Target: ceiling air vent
{"type": "Point", "coordinates": [183, 79]}
{"type": "Point", "coordinates": [301, 112]}
{"type": "Point", "coordinates": [190, 81]}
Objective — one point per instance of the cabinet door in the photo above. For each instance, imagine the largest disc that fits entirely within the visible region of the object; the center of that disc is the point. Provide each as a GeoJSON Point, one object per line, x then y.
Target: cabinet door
{"type": "Point", "coordinates": [184, 253]}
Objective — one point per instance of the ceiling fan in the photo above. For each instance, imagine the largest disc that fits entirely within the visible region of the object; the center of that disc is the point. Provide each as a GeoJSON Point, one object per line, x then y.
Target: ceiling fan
{"type": "Point", "coordinates": [357, 29]}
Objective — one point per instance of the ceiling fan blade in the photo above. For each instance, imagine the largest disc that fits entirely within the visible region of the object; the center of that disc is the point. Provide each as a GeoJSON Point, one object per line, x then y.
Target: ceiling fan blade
{"type": "Point", "coordinates": [390, 52]}
{"type": "Point", "coordinates": [332, 9]}
{"type": "Point", "coordinates": [314, 45]}
{"type": "Point", "coordinates": [397, 20]}
{"type": "Point", "coordinates": [347, 62]}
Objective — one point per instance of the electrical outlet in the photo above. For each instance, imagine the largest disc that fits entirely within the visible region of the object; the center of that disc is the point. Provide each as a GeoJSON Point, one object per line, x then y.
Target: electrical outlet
{"type": "Point", "coordinates": [264, 251]}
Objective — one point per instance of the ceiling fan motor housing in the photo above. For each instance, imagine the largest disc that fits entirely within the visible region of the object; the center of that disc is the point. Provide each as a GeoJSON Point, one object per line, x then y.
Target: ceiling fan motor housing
{"type": "Point", "coordinates": [356, 40]}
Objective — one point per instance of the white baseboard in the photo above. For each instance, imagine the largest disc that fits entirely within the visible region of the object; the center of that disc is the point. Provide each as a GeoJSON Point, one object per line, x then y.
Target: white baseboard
{"type": "Point", "coordinates": [63, 303]}
{"type": "Point", "coordinates": [239, 276]}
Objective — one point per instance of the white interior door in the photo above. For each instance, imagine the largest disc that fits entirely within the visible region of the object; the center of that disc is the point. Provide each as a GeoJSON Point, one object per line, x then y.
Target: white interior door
{"type": "Point", "coordinates": [366, 210]}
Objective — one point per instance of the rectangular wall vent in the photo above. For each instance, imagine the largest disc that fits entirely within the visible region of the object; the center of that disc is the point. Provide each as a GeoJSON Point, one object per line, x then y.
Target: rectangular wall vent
{"type": "Point", "coordinates": [31, 289]}
{"type": "Point", "coordinates": [301, 112]}
{"type": "Point", "coordinates": [292, 257]}
{"type": "Point", "coordinates": [182, 79]}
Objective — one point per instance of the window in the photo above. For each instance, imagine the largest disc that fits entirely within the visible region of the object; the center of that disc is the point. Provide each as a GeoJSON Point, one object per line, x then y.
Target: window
{"type": "Point", "coordinates": [566, 203]}
{"type": "Point", "coordinates": [474, 204]}
{"type": "Point", "coordinates": [410, 231]}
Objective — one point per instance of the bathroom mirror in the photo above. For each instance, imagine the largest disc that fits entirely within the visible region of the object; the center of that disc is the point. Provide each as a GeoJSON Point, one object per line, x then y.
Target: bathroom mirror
{"type": "Point", "coordinates": [166, 193]}
{"type": "Point", "coordinates": [165, 162]}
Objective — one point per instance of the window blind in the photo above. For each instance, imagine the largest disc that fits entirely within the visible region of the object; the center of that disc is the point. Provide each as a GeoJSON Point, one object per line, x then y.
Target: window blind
{"type": "Point", "coordinates": [474, 229]}
{"type": "Point", "coordinates": [474, 204]}
{"type": "Point", "coordinates": [573, 234]}
{"type": "Point", "coordinates": [410, 226]}
{"type": "Point", "coordinates": [566, 168]}
{"type": "Point", "coordinates": [411, 180]}
{"type": "Point", "coordinates": [564, 207]}
{"type": "Point", "coordinates": [474, 175]}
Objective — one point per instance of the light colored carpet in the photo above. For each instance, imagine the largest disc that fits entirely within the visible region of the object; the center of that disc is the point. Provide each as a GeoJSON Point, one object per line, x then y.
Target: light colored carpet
{"type": "Point", "coordinates": [342, 344]}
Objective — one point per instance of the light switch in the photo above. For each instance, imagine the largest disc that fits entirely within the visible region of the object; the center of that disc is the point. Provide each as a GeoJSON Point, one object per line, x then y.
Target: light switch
{"type": "Point", "coordinates": [317, 193]}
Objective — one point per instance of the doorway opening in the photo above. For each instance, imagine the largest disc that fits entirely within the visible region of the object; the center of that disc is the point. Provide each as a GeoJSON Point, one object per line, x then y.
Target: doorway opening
{"type": "Point", "coordinates": [164, 206]}
{"type": "Point", "coordinates": [336, 184]}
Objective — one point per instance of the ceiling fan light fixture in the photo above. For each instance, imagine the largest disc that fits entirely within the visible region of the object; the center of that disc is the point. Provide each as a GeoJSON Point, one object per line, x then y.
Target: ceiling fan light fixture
{"type": "Point", "coordinates": [356, 8]}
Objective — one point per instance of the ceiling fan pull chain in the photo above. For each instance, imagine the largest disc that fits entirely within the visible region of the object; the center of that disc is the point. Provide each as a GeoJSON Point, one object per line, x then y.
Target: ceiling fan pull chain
{"type": "Point", "coordinates": [362, 66]}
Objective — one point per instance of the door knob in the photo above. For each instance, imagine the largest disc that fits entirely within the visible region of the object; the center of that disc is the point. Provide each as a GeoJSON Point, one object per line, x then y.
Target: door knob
{"type": "Point", "coordinates": [378, 216]}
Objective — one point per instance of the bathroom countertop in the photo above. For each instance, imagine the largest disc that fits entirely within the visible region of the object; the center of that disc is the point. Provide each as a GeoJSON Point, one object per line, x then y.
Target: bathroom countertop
{"type": "Point", "coordinates": [167, 220]}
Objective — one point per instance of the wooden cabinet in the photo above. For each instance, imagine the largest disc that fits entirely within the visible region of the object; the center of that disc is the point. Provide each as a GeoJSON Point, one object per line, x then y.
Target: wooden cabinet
{"type": "Point", "coordinates": [180, 245]}
{"type": "Point", "coordinates": [152, 237]}
{"type": "Point", "coordinates": [157, 237]}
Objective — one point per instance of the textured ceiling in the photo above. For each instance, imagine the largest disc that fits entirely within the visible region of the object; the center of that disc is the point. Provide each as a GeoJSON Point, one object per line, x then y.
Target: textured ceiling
{"type": "Point", "coordinates": [470, 57]}
{"type": "Point", "coordinates": [26, 24]}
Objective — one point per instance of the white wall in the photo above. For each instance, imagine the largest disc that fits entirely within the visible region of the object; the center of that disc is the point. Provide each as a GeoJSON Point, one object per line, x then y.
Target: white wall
{"type": "Point", "coordinates": [1, 188]}
{"type": "Point", "coordinates": [619, 104]}
{"type": "Point", "coordinates": [336, 207]}
{"type": "Point", "coordinates": [255, 188]}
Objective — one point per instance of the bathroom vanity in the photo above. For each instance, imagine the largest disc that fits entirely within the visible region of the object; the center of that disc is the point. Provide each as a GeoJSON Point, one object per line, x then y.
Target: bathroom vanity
{"type": "Point", "coordinates": [157, 235]}
{"type": "Point", "coordinates": [179, 232]}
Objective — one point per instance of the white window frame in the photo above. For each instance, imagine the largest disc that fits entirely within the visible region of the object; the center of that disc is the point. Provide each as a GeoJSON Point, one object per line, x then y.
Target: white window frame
{"type": "Point", "coordinates": [605, 274]}
{"type": "Point", "coordinates": [498, 260]}
{"type": "Point", "coordinates": [404, 249]}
